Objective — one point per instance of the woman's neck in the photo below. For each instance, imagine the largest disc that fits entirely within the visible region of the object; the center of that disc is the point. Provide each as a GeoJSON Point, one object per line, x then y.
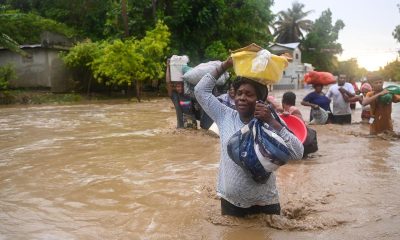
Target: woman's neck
{"type": "Point", "coordinates": [246, 119]}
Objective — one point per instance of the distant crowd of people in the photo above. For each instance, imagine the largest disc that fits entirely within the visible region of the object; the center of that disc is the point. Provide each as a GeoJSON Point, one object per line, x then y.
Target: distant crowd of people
{"type": "Point", "coordinates": [342, 96]}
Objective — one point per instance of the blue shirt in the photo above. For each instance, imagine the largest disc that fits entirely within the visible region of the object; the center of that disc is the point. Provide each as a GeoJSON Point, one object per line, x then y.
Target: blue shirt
{"type": "Point", "coordinates": [319, 99]}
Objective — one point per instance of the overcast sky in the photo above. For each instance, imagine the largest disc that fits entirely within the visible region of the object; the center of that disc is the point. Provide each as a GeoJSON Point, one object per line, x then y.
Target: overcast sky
{"type": "Point", "coordinates": [367, 35]}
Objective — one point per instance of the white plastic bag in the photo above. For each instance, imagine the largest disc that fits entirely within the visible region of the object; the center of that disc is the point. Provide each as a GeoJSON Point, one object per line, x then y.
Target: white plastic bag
{"type": "Point", "coordinates": [260, 62]}
{"type": "Point", "coordinates": [320, 116]}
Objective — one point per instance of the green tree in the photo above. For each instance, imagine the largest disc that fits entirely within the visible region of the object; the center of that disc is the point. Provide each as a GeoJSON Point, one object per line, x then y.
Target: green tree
{"type": "Point", "coordinates": [245, 22]}
{"type": "Point", "coordinates": [291, 24]}
{"type": "Point", "coordinates": [79, 59]}
{"type": "Point", "coordinates": [86, 16]}
{"type": "Point", "coordinates": [320, 45]}
{"type": "Point", "coordinates": [25, 28]}
{"type": "Point", "coordinates": [392, 71]}
{"type": "Point", "coordinates": [133, 61]}
{"type": "Point", "coordinates": [396, 32]}
{"type": "Point", "coordinates": [351, 69]}
{"type": "Point", "coordinates": [216, 51]}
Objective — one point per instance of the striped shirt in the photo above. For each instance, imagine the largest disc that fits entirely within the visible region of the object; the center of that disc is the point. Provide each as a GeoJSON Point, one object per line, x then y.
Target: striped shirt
{"type": "Point", "coordinates": [234, 184]}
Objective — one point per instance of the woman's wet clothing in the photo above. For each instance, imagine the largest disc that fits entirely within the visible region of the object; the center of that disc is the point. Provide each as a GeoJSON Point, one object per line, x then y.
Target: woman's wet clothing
{"type": "Point", "coordinates": [235, 185]}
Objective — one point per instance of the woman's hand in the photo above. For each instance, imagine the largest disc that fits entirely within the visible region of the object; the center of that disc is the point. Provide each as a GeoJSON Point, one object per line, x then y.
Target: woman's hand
{"type": "Point", "coordinates": [383, 92]}
{"type": "Point", "coordinates": [262, 112]}
{"type": "Point", "coordinates": [315, 106]}
{"type": "Point", "coordinates": [228, 63]}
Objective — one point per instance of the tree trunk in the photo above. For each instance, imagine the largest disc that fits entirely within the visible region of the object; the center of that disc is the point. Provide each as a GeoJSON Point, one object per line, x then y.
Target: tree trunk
{"type": "Point", "coordinates": [89, 86]}
{"type": "Point", "coordinates": [154, 4]}
{"type": "Point", "coordinates": [125, 17]}
{"type": "Point", "coordinates": [138, 90]}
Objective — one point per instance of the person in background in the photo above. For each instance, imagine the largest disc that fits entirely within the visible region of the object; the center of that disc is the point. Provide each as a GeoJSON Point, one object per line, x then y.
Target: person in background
{"type": "Point", "coordinates": [356, 91]}
{"type": "Point", "coordinates": [317, 99]}
{"type": "Point", "coordinates": [184, 107]}
{"type": "Point", "coordinates": [288, 105]}
{"type": "Point", "coordinates": [365, 113]}
{"type": "Point", "coordinates": [340, 93]}
{"type": "Point", "coordinates": [240, 194]}
{"type": "Point", "coordinates": [228, 98]}
{"type": "Point", "coordinates": [381, 119]}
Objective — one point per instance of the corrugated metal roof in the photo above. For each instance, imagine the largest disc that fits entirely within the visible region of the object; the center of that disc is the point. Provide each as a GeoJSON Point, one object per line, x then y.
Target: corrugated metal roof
{"type": "Point", "coordinates": [58, 47]}
{"type": "Point", "coordinates": [288, 45]}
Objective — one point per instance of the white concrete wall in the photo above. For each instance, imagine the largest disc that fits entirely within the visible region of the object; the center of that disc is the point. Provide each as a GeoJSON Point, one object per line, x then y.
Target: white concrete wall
{"type": "Point", "coordinates": [43, 70]}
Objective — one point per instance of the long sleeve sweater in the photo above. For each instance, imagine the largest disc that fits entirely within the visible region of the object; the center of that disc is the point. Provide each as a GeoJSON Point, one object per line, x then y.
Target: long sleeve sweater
{"type": "Point", "coordinates": [234, 184]}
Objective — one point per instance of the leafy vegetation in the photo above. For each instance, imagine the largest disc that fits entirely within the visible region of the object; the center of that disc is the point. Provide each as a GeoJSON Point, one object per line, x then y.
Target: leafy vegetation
{"type": "Point", "coordinates": [351, 69]}
{"type": "Point", "coordinates": [392, 71]}
{"type": "Point", "coordinates": [320, 45]}
{"type": "Point", "coordinates": [122, 62]}
{"type": "Point", "coordinates": [25, 28]}
{"type": "Point", "coordinates": [125, 43]}
{"type": "Point", "coordinates": [7, 73]}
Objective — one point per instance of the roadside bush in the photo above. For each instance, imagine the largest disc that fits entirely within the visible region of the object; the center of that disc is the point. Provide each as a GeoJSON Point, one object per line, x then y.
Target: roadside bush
{"type": "Point", "coordinates": [7, 73]}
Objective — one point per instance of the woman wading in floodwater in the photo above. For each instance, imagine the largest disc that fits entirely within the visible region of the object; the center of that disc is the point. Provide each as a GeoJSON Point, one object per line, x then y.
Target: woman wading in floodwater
{"type": "Point", "coordinates": [240, 194]}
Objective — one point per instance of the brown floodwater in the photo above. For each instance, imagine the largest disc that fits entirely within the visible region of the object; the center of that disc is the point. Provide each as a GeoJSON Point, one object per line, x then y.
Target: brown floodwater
{"type": "Point", "coordinates": [121, 170]}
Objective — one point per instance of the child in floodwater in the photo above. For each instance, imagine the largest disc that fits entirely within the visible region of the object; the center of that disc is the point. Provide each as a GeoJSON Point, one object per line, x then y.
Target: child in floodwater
{"type": "Point", "coordinates": [381, 119]}
{"type": "Point", "coordinates": [288, 105]}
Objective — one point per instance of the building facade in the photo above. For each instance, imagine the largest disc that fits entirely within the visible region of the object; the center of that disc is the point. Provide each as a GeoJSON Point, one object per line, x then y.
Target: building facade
{"type": "Point", "coordinates": [294, 74]}
{"type": "Point", "coordinates": [42, 66]}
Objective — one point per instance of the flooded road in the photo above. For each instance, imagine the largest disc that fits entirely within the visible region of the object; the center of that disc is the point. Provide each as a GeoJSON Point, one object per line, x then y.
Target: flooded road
{"type": "Point", "coordinates": [122, 171]}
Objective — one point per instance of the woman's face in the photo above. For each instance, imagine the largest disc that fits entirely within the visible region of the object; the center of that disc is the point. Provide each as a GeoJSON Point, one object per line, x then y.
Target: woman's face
{"type": "Point", "coordinates": [318, 88]}
{"type": "Point", "coordinates": [245, 100]}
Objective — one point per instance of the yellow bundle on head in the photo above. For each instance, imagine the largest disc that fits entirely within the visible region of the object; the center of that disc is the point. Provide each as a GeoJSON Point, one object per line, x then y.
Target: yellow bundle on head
{"type": "Point", "coordinates": [258, 64]}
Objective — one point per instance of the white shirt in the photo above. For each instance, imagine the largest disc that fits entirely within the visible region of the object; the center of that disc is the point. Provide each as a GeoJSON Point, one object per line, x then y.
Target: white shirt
{"type": "Point", "coordinates": [340, 106]}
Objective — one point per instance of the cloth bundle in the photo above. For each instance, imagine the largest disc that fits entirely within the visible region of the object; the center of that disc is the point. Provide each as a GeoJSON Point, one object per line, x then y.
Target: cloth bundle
{"type": "Point", "coordinates": [257, 149]}
{"type": "Point", "coordinates": [388, 97]}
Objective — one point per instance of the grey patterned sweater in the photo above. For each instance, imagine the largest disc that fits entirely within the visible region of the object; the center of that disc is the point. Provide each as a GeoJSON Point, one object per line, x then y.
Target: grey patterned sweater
{"type": "Point", "coordinates": [235, 185]}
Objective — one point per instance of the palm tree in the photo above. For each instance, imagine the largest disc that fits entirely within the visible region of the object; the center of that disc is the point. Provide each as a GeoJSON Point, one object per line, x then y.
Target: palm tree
{"type": "Point", "coordinates": [291, 24]}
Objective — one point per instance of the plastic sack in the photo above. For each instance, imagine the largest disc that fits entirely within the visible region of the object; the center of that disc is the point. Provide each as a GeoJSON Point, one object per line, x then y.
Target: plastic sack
{"type": "Point", "coordinates": [194, 75]}
{"type": "Point", "coordinates": [323, 78]}
{"type": "Point", "coordinates": [388, 97]}
{"type": "Point", "coordinates": [258, 150]}
{"type": "Point", "coordinates": [320, 116]}
{"type": "Point", "coordinates": [258, 64]}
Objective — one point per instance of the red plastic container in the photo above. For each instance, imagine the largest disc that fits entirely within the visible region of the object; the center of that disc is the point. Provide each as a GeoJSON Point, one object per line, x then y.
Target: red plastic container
{"type": "Point", "coordinates": [296, 125]}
